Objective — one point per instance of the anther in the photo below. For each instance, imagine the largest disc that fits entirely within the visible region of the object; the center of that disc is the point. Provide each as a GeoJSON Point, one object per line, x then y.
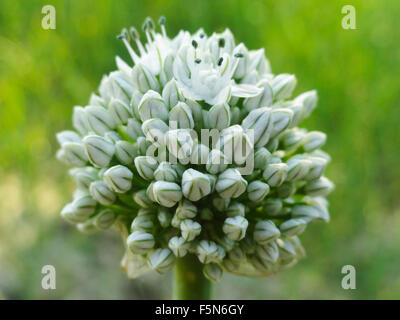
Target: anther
{"type": "Point", "coordinates": [198, 60]}
{"type": "Point", "coordinates": [220, 61]}
{"type": "Point", "coordinates": [238, 55]}
{"type": "Point", "coordinates": [221, 42]}
{"type": "Point", "coordinates": [195, 44]}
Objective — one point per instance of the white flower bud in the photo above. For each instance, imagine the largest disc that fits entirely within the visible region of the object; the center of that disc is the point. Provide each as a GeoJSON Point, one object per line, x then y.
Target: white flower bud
{"type": "Point", "coordinates": [230, 266]}
{"type": "Point", "coordinates": [265, 231]}
{"type": "Point", "coordinates": [261, 157]}
{"type": "Point", "coordinates": [112, 136]}
{"type": "Point", "coordinates": [297, 169]}
{"type": "Point", "coordinates": [125, 152]}
{"type": "Point", "coordinates": [102, 193]}
{"type": "Point", "coordinates": [164, 217]}
{"type": "Point", "coordinates": [140, 242]}
{"type": "Point", "coordinates": [83, 177]}
{"type": "Point", "coordinates": [190, 229]}
{"type": "Point", "coordinates": [297, 109]}
{"type": "Point", "coordinates": [161, 260]}
{"type": "Point", "coordinates": [235, 227]}
{"type": "Point", "coordinates": [105, 219]}
{"type": "Point", "coordinates": [95, 100]}
{"type": "Point", "coordinates": [319, 187]}
{"type": "Point", "coordinates": [248, 245]}
{"type": "Point", "coordinates": [86, 227]}
{"type": "Point", "coordinates": [99, 150]}
{"type": "Point", "coordinates": [230, 184]}
{"type": "Point", "coordinates": [171, 94]}
{"type": "Point", "coordinates": [260, 264]}
{"type": "Point", "coordinates": [219, 116]}
{"type": "Point", "coordinates": [119, 178]}
{"type": "Point", "coordinates": [179, 246]}
{"type": "Point", "coordinates": [257, 191]}
{"type": "Point", "coordinates": [142, 199]}
{"type": "Point", "coordinates": [264, 99]}
{"type": "Point", "coordinates": [286, 249]}
{"type": "Point", "coordinates": [275, 173]}
{"type": "Point", "coordinates": [84, 207]}
{"type": "Point", "coordinates": [68, 214]}
{"type": "Point", "coordinates": [195, 185]}
{"type": "Point", "coordinates": [235, 209]}
{"type": "Point", "coordinates": [154, 129]}
{"type": "Point", "coordinates": [283, 86]}
{"type": "Point", "coordinates": [152, 106]}
{"type": "Point", "coordinates": [291, 139]}
{"type": "Point", "coordinates": [74, 153]}
{"type": "Point", "coordinates": [165, 172]}
{"type": "Point", "coordinates": [213, 272]}
{"type": "Point", "coordinates": [145, 166]}
{"type": "Point", "coordinates": [143, 79]}
{"type": "Point", "coordinates": [260, 121]}
{"type": "Point", "coordinates": [235, 144]}
{"type": "Point", "coordinates": [99, 119]}
{"type": "Point", "coordinates": [309, 101]}
{"type": "Point", "coordinates": [134, 129]}
{"type": "Point", "coordinates": [281, 119]}
{"type": "Point", "coordinates": [67, 136]}
{"type": "Point", "coordinates": [217, 162]}
{"type": "Point", "coordinates": [182, 116]}
{"type": "Point", "coordinates": [119, 111]}
{"type": "Point", "coordinates": [186, 210]}
{"type": "Point", "coordinates": [197, 114]}
{"type": "Point", "coordinates": [313, 140]}
{"type": "Point", "coordinates": [79, 120]}
{"type": "Point", "coordinates": [207, 251]}
{"type": "Point", "coordinates": [180, 144]}
{"type": "Point", "coordinates": [134, 103]}
{"type": "Point", "coordinates": [167, 193]}
{"type": "Point", "coordinates": [317, 168]}
{"type": "Point", "coordinates": [200, 154]}
{"type": "Point", "coordinates": [293, 227]}
{"type": "Point", "coordinates": [268, 252]}
{"type": "Point", "coordinates": [143, 223]}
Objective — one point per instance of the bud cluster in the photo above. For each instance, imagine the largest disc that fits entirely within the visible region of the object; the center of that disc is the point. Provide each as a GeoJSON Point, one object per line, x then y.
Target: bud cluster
{"type": "Point", "coordinates": [201, 203]}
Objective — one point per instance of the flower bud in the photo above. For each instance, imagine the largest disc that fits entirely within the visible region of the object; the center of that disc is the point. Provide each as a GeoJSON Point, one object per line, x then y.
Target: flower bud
{"type": "Point", "coordinates": [219, 116]}
{"type": "Point", "coordinates": [99, 150]}
{"type": "Point", "coordinates": [260, 264]}
{"type": "Point", "coordinates": [142, 199]}
{"type": "Point", "coordinates": [134, 129]}
{"type": "Point", "coordinates": [186, 210]}
{"type": "Point", "coordinates": [99, 119]}
{"type": "Point", "coordinates": [195, 185]}
{"type": "Point", "coordinates": [95, 100]}
{"type": "Point", "coordinates": [268, 252]}
{"type": "Point", "coordinates": [83, 177]}
{"type": "Point", "coordinates": [230, 184]}
{"type": "Point", "coordinates": [313, 140]}
{"type": "Point", "coordinates": [281, 119]}
{"type": "Point", "coordinates": [171, 94]}
{"type": "Point", "coordinates": [79, 120]}
{"type": "Point", "coordinates": [297, 169]}
{"type": "Point", "coordinates": [260, 121]}
{"type": "Point", "coordinates": [145, 166]}
{"type": "Point", "coordinates": [319, 187]}
{"type": "Point", "coordinates": [143, 79]}
{"type": "Point", "coordinates": [248, 245]}
{"type": "Point", "coordinates": [242, 66]}
{"type": "Point", "coordinates": [119, 111]}
{"type": "Point", "coordinates": [257, 191]}
{"type": "Point", "coordinates": [293, 227]}
{"type": "Point", "coordinates": [217, 162]}
{"type": "Point", "coordinates": [119, 178]}
{"type": "Point", "coordinates": [102, 193]}
{"type": "Point", "coordinates": [207, 251]}
{"type": "Point", "coordinates": [261, 157]}
{"type": "Point", "coordinates": [152, 106]}
{"type": "Point", "coordinates": [291, 139]}
{"type": "Point", "coordinates": [235, 209]}
{"type": "Point", "coordinates": [206, 214]}
{"type": "Point", "coordinates": [67, 136]}
{"type": "Point", "coordinates": [286, 249]}
{"type": "Point", "coordinates": [283, 86]}
{"type": "Point", "coordinates": [265, 232]}
{"type": "Point", "coordinates": [190, 229]}
{"type": "Point", "coordinates": [164, 217]}
{"type": "Point", "coordinates": [230, 266]}
{"type": "Point", "coordinates": [165, 172]}
{"type": "Point", "coordinates": [235, 227]}
{"type": "Point", "coordinates": [200, 154]}
{"type": "Point", "coordinates": [272, 207]}
{"type": "Point", "coordinates": [105, 219]}
{"type": "Point", "coordinates": [154, 130]}
{"type": "Point", "coordinates": [235, 144]}
{"type": "Point", "coordinates": [68, 214]}
{"type": "Point", "coordinates": [179, 246]}
{"type": "Point", "coordinates": [143, 223]}
{"type": "Point", "coordinates": [161, 260]}
{"type": "Point", "coordinates": [86, 227]}
{"type": "Point", "coordinates": [275, 173]}
{"type": "Point", "coordinates": [264, 99]}
{"type": "Point", "coordinates": [112, 136]}
{"type": "Point", "coordinates": [221, 204]}
{"type": "Point", "coordinates": [213, 272]}
{"type": "Point", "coordinates": [140, 242]}
{"type": "Point", "coordinates": [286, 189]}
{"type": "Point", "coordinates": [309, 101]}
{"type": "Point", "coordinates": [180, 143]}
{"type": "Point", "coordinates": [167, 193]}
{"type": "Point", "coordinates": [125, 152]}
{"type": "Point", "coordinates": [134, 103]}
{"type": "Point", "coordinates": [181, 116]}
{"type": "Point", "coordinates": [317, 168]}
{"type": "Point", "coordinates": [75, 153]}
{"type": "Point", "coordinates": [84, 207]}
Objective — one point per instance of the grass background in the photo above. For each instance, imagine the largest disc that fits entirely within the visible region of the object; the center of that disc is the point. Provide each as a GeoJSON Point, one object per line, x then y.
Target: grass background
{"type": "Point", "coordinates": [44, 73]}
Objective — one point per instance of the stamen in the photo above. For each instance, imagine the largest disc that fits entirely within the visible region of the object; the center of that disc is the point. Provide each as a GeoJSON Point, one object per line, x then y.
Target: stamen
{"type": "Point", "coordinates": [195, 44]}
{"type": "Point", "coordinates": [146, 28]}
{"type": "Point", "coordinates": [221, 42]}
{"type": "Point", "coordinates": [124, 36]}
{"type": "Point", "coordinates": [161, 22]}
{"type": "Point", "coordinates": [198, 60]}
{"type": "Point", "coordinates": [202, 35]}
{"type": "Point", "coordinates": [238, 55]}
{"type": "Point", "coordinates": [220, 61]}
{"type": "Point", "coordinates": [136, 36]}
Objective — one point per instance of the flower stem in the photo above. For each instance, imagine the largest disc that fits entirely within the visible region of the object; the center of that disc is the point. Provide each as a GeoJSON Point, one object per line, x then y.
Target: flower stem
{"type": "Point", "coordinates": [189, 282]}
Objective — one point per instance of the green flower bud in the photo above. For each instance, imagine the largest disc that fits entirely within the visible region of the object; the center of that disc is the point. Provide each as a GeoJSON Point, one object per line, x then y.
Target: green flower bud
{"type": "Point", "coordinates": [257, 191]}
{"type": "Point", "coordinates": [235, 227]}
{"type": "Point", "coordinates": [186, 210]}
{"type": "Point", "coordinates": [285, 190]}
{"type": "Point", "coordinates": [67, 136]}
{"type": "Point", "coordinates": [213, 272]}
{"type": "Point", "coordinates": [176, 221]}
{"type": "Point", "coordinates": [230, 266]}
{"type": "Point", "coordinates": [230, 184]}
{"type": "Point", "coordinates": [125, 152]}
{"type": "Point", "coordinates": [313, 140]}
{"type": "Point", "coordinates": [83, 177]}
{"type": "Point", "coordinates": [84, 207]}
{"type": "Point", "coordinates": [309, 101]}
{"type": "Point", "coordinates": [119, 111]}
{"type": "Point", "coordinates": [297, 169]}
{"type": "Point", "coordinates": [261, 157]}
{"type": "Point", "coordinates": [171, 94]}
{"type": "Point", "coordinates": [260, 264]}
{"type": "Point", "coordinates": [283, 86]}
{"type": "Point", "coordinates": [319, 187]}
{"type": "Point", "coordinates": [143, 223]}
{"type": "Point", "coordinates": [275, 173]}
{"type": "Point", "coordinates": [260, 121]}
{"type": "Point", "coordinates": [152, 106]}
{"type": "Point", "coordinates": [206, 214]}
{"type": "Point", "coordinates": [99, 150]}
{"type": "Point", "coordinates": [161, 260]}
{"type": "Point", "coordinates": [221, 204]}
{"type": "Point", "coordinates": [248, 245]}
{"type": "Point", "coordinates": [235, 209]}
{"type": "Point", "coordinates": [219, 116]}
{"type": "Point", "coordinates": [195, 185]}
{"type": "Point", "coordinates": [86, 227]}
{"type": "Point", "coordinates": [74, 153]}
{"type": "Point", "coordinates": [179, 246]}
{"type": "Point", "coordinates": [190, 229]}
{"type": "Point", "coordinates": [293, 227]}
{"type": "Point", "coordinates": [79, 120]}
{"type": "Point", "coordinates": [102, 193]}
{"type": "Point", "coordinates": [143, 79]}
{"type": "Point", "coordinates": [99, 119]}
{"type": "Point", "coordinates": [281, 119]}
{"type": "Point", "coordinates": [180, 144]}
{"type": "Point", "coordinates": [217, 162]}
{"type": "Point", "coordinates": [268, 252]}
{"type": "Point", "coordinates": [237, 254]}
{"type": "Point", "coordinates": [181, 114]}
{"type": "Point", "coordinates": [235, 115]}
{"type": "Point", "coordinates": [272, 207]}
{"type": "Point", "coordinates": [145, 166]}
{"type": "Point", "coordinates": [167, 193]}
{"type": "Point", "coordinates": [140, 242]}
{"type": "Point", "coordinates": [165, 172]}
{"type": "Point", "coordinates": [164, 217]}
{"type": "Point", "coordinates": [142, 199]}
{"type": "Point", "coordinates": [119, 178]}
{"type": "Point", "coordinates": [207, 251]}
{"type": "Point", "coordinates": [200, 154]}
{"type": "Point", "coordinates": [134, 129]}
{"type": "Point", "coordinates": [265, 232]}
{"type": "Point", "coordinates": [105, 219]}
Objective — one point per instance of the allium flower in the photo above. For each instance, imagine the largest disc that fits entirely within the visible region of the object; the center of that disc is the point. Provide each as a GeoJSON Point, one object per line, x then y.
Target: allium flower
{"type": "Point", "coordinates": [140, 164]}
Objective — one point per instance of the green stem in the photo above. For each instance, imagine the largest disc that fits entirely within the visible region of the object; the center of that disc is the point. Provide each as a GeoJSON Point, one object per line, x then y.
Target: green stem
{"type": "Point", "coordinates": [189, 281]}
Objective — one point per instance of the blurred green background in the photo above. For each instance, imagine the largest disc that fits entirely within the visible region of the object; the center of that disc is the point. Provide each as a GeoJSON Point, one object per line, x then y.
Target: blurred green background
{"type": "Point", "coordinates": [44, 73]}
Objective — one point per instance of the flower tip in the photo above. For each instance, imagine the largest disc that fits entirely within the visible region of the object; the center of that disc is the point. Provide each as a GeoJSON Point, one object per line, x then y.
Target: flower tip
{"type": "Point", "coordinates": [161, 20]}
